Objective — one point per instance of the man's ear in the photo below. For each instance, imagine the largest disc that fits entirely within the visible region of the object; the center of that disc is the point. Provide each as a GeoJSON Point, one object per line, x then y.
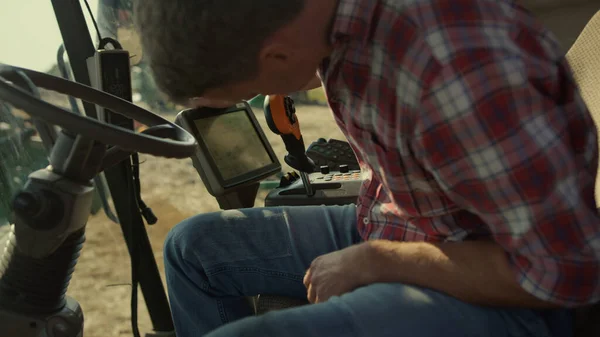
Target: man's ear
{"type": "Point", "coordinates": [275, 56]}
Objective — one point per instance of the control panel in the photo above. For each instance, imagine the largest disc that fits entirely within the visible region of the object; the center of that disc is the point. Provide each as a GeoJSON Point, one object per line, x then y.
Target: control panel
{"type": "Point", "coordinates": [329, 188]}
{"type": "Point", "coordinates": [328, 171]}
{"type": "Point", "coordinates": [332, 153]}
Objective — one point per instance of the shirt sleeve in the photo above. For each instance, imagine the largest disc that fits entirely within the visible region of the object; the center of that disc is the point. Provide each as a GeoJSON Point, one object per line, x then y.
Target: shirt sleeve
{"type": "Point", "coordinates": [508, 138]}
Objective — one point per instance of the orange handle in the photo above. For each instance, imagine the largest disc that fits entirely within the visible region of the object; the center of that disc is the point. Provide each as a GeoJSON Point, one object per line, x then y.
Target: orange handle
{"type": "Point", "coordinates": [284, 117]}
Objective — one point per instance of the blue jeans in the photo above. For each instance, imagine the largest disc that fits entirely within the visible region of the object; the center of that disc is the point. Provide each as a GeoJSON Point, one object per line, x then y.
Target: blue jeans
{"type": "Point", "coordinates": [214, 260]}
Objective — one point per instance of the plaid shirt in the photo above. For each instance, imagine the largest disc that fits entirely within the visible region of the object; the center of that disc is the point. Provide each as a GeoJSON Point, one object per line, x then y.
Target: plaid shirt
{"type": "Point", "coordinates": [468, 125]}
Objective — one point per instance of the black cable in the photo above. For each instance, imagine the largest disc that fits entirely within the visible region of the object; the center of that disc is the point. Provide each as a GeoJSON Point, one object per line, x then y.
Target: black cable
{"type": "Point", "coordinates": [62, 67]}
{"type": "Point", "coordinates": [107, 40]}
{"type": "Point", "coordinates": [134, 186]}
{"type": "Point", "coordinates": [135, 259]}
{"type": "Point", "coordinates": [93, 20]}
{"type": "Point", "coordinates": [146, 211]}
{"type": "Point", "coordinates": [102, 42]}
{"type": "Point", "coordinates": [25, 83]}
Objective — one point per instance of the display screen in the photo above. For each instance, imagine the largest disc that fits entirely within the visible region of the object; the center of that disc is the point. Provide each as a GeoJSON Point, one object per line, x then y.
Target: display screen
{"type": "Point", "coordinates": [233, 144]}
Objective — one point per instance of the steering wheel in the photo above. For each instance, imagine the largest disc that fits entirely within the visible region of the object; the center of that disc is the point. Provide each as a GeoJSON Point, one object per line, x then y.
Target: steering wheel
{"type": "Point", "coordinates": [162, 138]}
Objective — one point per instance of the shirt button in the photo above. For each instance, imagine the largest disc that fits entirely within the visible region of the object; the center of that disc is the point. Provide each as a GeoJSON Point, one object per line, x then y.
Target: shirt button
{"type": "Point", "coordinates": [366, 221]}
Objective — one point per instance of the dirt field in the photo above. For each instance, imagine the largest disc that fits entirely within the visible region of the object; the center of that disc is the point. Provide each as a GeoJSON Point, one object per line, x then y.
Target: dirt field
{"type": "Point", "coordinates": [174, 191]}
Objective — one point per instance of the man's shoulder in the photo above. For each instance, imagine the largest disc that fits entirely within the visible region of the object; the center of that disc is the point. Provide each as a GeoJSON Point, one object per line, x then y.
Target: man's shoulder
{"type": "Point", "coordinates": [451, 27]}
{"type": "Point", "coordinates": [443, 27]}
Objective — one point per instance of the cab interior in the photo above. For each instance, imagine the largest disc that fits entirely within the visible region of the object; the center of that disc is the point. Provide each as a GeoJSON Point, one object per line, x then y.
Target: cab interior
{"type": "Point", "coordinates": [119, 300]}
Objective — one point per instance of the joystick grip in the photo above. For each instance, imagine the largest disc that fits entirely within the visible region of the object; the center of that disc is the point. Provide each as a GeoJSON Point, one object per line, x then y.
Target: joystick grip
{"type": "Point", "coordinates": [301, 163]}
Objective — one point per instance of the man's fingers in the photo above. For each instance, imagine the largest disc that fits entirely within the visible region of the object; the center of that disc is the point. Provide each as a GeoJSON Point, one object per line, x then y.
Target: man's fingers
{"type": "Point", "coordinates": [307, 277]}
{"type": "Point", "coordinates": [311, 293]}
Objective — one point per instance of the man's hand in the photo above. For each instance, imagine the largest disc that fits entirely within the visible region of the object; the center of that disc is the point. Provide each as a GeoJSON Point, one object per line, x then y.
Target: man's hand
{"type": "Point", "coordinates": [337, 273]}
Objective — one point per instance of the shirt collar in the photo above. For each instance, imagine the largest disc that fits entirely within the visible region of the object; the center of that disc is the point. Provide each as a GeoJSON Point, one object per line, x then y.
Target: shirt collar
{"type": "Point", "coordinates": [353, 20]}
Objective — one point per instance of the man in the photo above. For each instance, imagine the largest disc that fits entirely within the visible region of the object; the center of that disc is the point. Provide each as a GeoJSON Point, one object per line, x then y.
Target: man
{"type": "Point", "coordinates": [477, 216]}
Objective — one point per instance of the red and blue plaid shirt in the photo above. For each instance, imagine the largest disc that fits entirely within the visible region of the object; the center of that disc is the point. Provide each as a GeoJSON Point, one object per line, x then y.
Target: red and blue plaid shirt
{"type": "Point", "coordinates": [468, 124]}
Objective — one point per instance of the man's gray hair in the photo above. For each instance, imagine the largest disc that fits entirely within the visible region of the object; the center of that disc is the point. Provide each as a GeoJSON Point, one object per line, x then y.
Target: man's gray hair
{"type": "Point", "coordinates": [196, 45]}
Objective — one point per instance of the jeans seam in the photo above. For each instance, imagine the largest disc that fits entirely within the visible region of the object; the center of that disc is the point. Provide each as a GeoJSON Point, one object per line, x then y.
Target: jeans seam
{"type": "Point", "coordinates": [266, 272]}
{"type": "Point", "coordinates": [202, 284]}
{"type": "Point", "coordinates": [221, 309]}
{"type": "Point", "coordinates": [208, 265]}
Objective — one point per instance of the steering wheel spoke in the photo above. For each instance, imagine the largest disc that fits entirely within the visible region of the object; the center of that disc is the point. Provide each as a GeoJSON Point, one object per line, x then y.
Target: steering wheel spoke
{"type": "Point", "coordinates": [162, 138]}
{"type": "Point", "coordinates": [116, 154]}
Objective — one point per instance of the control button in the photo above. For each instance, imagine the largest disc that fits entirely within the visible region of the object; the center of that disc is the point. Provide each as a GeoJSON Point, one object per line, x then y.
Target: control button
{"type": "Point", "coordinates": [366, 221]}
{"type": "Point", "coordinates": [324, 169]}
{"type": "Point", "coordinates": [43, 210]}
{"type": "Point", "coordinates": [344, 168]}
{"type": "Point", "coordinates": [322, 140]}
{"type": "Point", "coordinates": [27, 203]}
{"type": "Point", "coordinates": [328, 179]}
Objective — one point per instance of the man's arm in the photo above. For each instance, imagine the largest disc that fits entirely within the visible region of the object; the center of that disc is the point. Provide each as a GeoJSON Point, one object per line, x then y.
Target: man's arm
{"type": "Point", "coordinates": [502, 131]}
{"type": "Point", "coordinates": [474, 272]}
{"type": "Point", "coordinates": [511, 142]}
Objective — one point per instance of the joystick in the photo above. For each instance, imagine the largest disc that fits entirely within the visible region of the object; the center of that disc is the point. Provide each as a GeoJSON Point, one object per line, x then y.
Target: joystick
{"type": "Point", "coordinates": [280, 114]}
{"type": "Point", "coordinates": [329, 171]}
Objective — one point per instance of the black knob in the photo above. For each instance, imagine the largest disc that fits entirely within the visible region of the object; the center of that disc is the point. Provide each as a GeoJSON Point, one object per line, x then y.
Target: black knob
{"type": "Point", "coordinates": [344, 168]}
{"type": "Point", "coordinates": [321, 140]}
{"type": "Point", "coordinates": [42, 210]}
{"type": "Point", "coordinates": [324, 169]}
{"type": "Point", "coordinates": [26, 203]}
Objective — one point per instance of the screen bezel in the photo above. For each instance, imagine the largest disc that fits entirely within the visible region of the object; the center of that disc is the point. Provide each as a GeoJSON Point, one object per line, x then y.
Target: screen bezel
{"type": "Point", "coordinates": [256, 175]}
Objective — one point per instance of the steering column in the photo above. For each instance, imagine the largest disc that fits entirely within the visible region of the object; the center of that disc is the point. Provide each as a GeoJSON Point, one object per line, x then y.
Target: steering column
{"type": "Point", "coordinates": [52, 209]}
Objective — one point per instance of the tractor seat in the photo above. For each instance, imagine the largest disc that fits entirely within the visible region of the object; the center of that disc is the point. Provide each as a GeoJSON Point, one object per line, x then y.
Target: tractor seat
{"type": "Point", "coordinates": [584, 58]}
